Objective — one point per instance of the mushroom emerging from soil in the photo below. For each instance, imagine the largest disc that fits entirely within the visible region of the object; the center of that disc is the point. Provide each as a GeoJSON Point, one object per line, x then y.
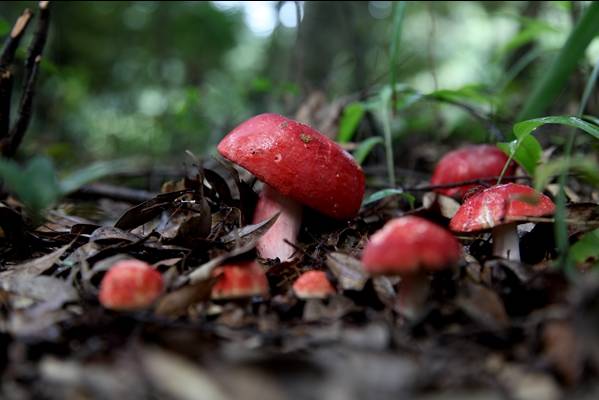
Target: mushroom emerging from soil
{"type": "Point", "coordinates": [130, 285]}
{"type": "Point", "coordinates": [410, 247]}
{"type": "Point", "coordinates": [299, 166]}
{"type": "Point", "coordinates": [468, 163]}
{"type": "Point", "coordinates": [313, 285]}
{"type": "Point", "coordinates": [498, 208]}
{"type": "Point", "coordinates": [244, 279]}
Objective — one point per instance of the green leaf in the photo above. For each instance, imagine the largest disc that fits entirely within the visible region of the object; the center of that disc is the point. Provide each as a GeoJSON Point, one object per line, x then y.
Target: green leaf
{"type": "Point", "coordinates": [352, 115]}
{"type": "Point", "coordinates": [525, 127]}
{"type": "Point", "coordinates": [366, 147]}
{"type": "Point", "coordinates": [35, 185]}
{"type": "Point", "coordinates": [587, 247]}
{"type": "Point", "coordinates": [381, 194]}
{"type": "Point", "coordinates": [587, 168]}
{"type": "Point", "coordinates": [93, 172]}
{"type": "Point", "coordinates": [592, 119]}
{"type": "Point", "coordinates": [551, 83]}
{"type": "Point", "coordinates": [526, 150]}
{"type": "Point", "coordinates": [470, 94]}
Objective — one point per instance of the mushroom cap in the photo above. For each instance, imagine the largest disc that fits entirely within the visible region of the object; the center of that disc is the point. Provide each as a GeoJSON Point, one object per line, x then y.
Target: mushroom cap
{"type": "Point", "coordinates": [497, 204]}
{"type": "Point", "coordinates": [298, 162]}
{"type": "Point", "coordinates": [313, 285]}
{"type": "Point", "coordinates": [245, 279]}
{"type": "Point", "coordinates": [130, 285]}
{"type": "Point", "coordinates": [406, 245]}
{"type": "Point", "coordinates": [467, 163]}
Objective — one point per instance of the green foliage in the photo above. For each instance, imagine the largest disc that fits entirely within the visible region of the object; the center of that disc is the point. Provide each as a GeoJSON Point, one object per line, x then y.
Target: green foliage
{"type": "Point", "coordinates": [586, 167]}
{"type": "Point", "coordinates": [399, 11]}
{"type": "Point", "coordinates": [586, 249]}
{"type": "Point", "coordinates": [382, 194]}
{"type": "Point", "coordinates": [527, 151]}
{"type": "Point", "coordinates": [550, 83]}
{"type": "Point", "coordinates": [351, 118]}
{"type": "Point", "coordinates": [37, 186]}
{"type": "Point", "coordinates": [365, 147]}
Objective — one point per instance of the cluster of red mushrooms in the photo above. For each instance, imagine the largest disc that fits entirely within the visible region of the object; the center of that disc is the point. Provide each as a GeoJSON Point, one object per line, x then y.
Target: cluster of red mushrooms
{"type": "Point", "coordinates": [298, 167]}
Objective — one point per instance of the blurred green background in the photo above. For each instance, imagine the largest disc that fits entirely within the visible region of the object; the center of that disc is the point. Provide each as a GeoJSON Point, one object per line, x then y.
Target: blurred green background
{"type": "Point", "coordinates": [152, 79]}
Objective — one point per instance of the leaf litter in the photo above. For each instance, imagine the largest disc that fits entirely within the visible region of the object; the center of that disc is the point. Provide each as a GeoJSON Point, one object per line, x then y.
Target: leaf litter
{"type": "Point", "coordinates": [491, 328]}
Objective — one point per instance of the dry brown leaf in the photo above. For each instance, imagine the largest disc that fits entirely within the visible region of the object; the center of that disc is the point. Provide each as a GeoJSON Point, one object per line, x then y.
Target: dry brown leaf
{"type": "Point", "coordinates": [348, 271]}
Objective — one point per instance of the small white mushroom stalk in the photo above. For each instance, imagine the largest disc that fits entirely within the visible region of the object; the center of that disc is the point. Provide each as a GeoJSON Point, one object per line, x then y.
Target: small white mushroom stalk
{"type": "Point", "coordinates": [506, 243]}
{"type": "Point", "coordinates": [272, 244]}
{"type": "Point", "coordinates": [413, 292]}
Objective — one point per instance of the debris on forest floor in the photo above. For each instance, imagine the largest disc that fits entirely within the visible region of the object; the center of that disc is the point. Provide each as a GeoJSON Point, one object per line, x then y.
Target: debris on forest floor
{"type": "Point", "coordinates": [525, 331]}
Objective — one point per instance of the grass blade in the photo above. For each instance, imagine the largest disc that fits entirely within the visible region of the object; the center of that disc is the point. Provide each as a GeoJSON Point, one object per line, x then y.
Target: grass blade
{"type": "Point", "coordinates": [552, 82]}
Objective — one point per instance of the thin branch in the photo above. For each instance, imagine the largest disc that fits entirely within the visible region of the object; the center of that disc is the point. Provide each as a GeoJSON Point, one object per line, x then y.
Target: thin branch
{"type": "Point", "coordinates": [9, 148]}
{"type": "Point", "coordinates": [32, 64]}
{"type": "Point", "coordinates": [490, 181]}
{"type": "Point", "coordinates": [6, 76]}
{"type": "Point", "coordinates": [13, 40]}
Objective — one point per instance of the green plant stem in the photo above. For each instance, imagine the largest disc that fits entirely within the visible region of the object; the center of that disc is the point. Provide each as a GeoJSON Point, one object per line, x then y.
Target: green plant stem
{"type": "Point", "coordinates": [398, 16]}
{"type": "Point", "coordinates": [561, 228]}
{"type": "Point", "coordinates": [388, 143]}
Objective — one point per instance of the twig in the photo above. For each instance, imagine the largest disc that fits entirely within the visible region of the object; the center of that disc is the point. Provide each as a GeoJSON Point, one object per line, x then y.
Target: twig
{"type": "Point", "coordinates": [112, 192]}
{"type": "Point", "coordinates": [6, 76]}
{"type": "Point", "coordinates": [484, 182]}
{"type": "Point", "coordinates": [32, 63]}
{"type": "Point", "coordinates": [13, 40]}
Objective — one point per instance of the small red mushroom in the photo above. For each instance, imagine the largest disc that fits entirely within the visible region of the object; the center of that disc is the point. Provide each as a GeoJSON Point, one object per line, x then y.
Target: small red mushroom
{"type": "Point", "coordinates": [498, 208]}
{"type": "Point", "coordinates": [130, 285]}
{"type": "Point", "coordinates": [313, 285]}
{"type": "Point", "coordinates": [299, 166]}
{"type": "Point", "coordinates": [410, 247]}
{"type": "Point", "coordinates": [245, 279]}
{"type": "Point", "coordinates": [468, 163]}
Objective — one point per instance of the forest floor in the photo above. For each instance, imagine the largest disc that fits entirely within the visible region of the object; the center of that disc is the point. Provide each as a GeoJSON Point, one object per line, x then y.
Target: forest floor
{"type": "Point", "coordinates": [491, 328]}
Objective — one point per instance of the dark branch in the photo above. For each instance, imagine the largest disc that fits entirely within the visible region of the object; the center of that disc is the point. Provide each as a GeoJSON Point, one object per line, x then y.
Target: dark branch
{"type": "Point", "coordinates": [32, 65]}
{"type": "Point", "coordinates": [13, 40]}
{"type": "Point", "coordinates": [490, 181]}
{"type": "Point", "coordinates": [20, 127]}
{"type": "Point", "coordinates": [6, 76]}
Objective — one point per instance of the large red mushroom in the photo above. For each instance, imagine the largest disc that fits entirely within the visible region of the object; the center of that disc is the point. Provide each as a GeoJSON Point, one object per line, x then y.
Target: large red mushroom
{"type": "Point", "coordinates": [469, 163]}
{"type": "Point", "coordinates": [299, 166]}
{"type": "Point", "coordinates": [498, 208]}
{"type": "Point", "coordinates": [410, 247]}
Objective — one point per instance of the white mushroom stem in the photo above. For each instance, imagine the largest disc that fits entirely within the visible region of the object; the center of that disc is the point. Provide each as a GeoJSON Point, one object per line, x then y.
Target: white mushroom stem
{"type": "Point", "coordinates": [413, 292]}
{"type": "Point", "coordinates": [286, 227]}
{"type": "Point", "coordinates": [506, 243]}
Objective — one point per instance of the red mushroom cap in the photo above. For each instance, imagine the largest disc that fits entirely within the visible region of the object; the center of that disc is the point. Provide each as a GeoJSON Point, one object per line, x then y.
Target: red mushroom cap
{"type": "Point", "coordinates": [467, 163]}
{"type": "Point", "coordinates": [313, 285]}
{"type": "Point", "coordinates": [497, 204]}
{"type": "Point", "coordinates": [245, 279]}
{"type": "Point", "coordinates": [130, 285]}
{"type": "Point", "coordinates": [407, 244]}
{"type": "Point", "coordinates": [298, 162]}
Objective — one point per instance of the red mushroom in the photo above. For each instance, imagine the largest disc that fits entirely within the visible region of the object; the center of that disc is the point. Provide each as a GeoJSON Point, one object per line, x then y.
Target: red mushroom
{"type": "Point", "coordinates": [410, 247]}
{"type": "Point", "coordinates": [299, 166]}
{"type": "Point", "coordinates": [468, 163]}
{"type": "Point", "coordinates": [130, 285]}
{"type": "Point", "coordinates": [498, 208]}
{"type": "Point", "coordinates": [313, 285]}
{"type": "Point", "coordinates": [240, 280]}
